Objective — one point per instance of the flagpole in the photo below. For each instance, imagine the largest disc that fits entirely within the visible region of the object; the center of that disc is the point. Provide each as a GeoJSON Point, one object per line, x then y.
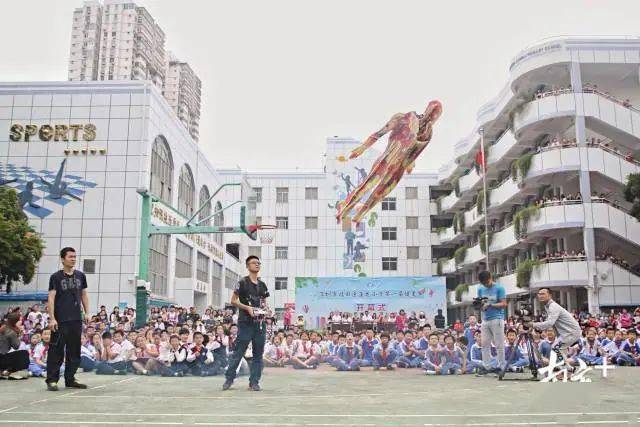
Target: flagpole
{"type": "Point", "coordinates": [483, 168]}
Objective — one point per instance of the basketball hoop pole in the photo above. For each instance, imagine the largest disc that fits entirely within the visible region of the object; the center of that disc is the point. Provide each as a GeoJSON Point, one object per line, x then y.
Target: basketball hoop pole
{"type": "Point", "coordinates": [147, 229]}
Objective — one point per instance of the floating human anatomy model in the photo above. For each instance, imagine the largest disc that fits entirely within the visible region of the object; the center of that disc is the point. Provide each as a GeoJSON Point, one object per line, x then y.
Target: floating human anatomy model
{"type": "Point", "coordinates": [410, 134]}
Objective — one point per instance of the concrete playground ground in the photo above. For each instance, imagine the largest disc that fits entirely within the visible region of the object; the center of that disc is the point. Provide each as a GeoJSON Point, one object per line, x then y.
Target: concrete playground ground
{"type": "Point", "coordinates": [325, 397]}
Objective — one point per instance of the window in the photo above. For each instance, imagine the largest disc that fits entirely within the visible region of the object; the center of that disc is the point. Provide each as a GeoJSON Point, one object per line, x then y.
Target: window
{"type": "Point", "coordinates": [412, 223]}
{"type": "Point", "coordinates": [186, 191]}
{"type": "Point", "coordinates": [159, 263]}
{"type": "Point", "coordinates": [258, 193]}
{"type": "Point", "coordinates": [282, 195]}
{"type": "Point", "coordinates": [202, 272]}
{"type": "Point", "coordinates": [259, 220]}
{"type": "Point", "coordinates": [255, 251]}
{"type": "Point", "coordinates": [183, 259]}
{"type": "Point", "coordinates": [389, 264]}
{"type": "Point", "coordinates": [89, 266]}
{"type": "Point", "coordinates": [161, 169]}
{"type": "Point", "coordinates": [310, 252]}
{"type": "Point", "coordinates": [206, 211]}
{"type": "Point", "coordinates": [282, 252]}
{"type": "Point", "coordinates": [311, 193]}
{"type": "Point", "coordinates": [411, 193]}
{"type": "Point", "coordinates": [216, 283]}
{"type": "Point", "coordinates": [413, 252]}
{"type": "Point", "coordinates": [218, 221]}
{"type": "Point", "coordinates": [281, 283]}
{"type": "Point", "coordinates": [311, 222]}
{"type": "Point", "coordinates": [230, 279]}
{"type": "Point", "coordinates": [389, 204]}
{"type": "Point", "coordinates": [389, 233]}
{"type": "Point", "coordinates": [282, 222]}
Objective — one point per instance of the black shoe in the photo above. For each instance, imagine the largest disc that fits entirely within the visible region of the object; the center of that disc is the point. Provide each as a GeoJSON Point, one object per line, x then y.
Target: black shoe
{"type": "Point", "coordinates": [254, 387]}
{"type": "Point", "coordinates": [226, 386]}
{"type": "Point", "coordinates": [52, 386]}
{"type": "Point", "coordinates": [75, 384]}
{"type": "Point", "coordinates": [376, 368]}
{"type": "Point", "coordinates": [390, 368]}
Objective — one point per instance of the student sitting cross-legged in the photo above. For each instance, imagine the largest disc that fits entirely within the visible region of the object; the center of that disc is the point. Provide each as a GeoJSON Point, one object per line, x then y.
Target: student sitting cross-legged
{"type": "Point", "coordinates": [349, 355]}
{"type": "Point", "coordinates": [454, 359]}
{"type": "Point", "coordinates": [111, 360]}
{"type": "Point", "coordinates": [383, 354]}
{"type": "Point", "coordinates": [410, 356]}
{"type": "Point", "coordinates": [514, 358]}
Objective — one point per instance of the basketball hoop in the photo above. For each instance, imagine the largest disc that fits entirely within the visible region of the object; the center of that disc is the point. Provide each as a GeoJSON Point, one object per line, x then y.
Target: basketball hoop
{"type": "Point", "coordinates": [264, 233]}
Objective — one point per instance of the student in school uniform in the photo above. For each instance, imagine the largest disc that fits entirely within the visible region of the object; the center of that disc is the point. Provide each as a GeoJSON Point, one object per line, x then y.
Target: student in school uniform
{"type": "Point", "coordinates": [330, 349]}
{"type": "Point", "coordinates": [367, 344]}
{"type": "Point", "coordinates": [591, 352]}
{"type": "Point", "coordinates": [474, 360]}
{"type": "Point", "coordinates": [396, 342]}
{"type": "Point", "coordinates": [384, 354]}
{"type": "Point", "coordinates": [37, 356]}
{"type": "Point", "coordinates": [514, 358]}
{"type": "Point", "coordinates": [88, 354]}
{"type": "Point", "coordinates": [111, 361]}
{"type": "Point", "coordinates": [217, 355]}
{"type": "Point", "coordinates": [630, 353]}
{"type": "Point", "coordinates": [176, 364]}
{"type": "Point", "coordinates": [433, 361]}
{"type": "Point", "coordinates": [614, 348]}
{"type": "Point", "coordinates": [455, 361]}
{"type": "Point", "coordinates": [410, 357]}
{"type": "Point", "coordinates": [275, 355]}
{"type": "Point", "coordinates": [548, 344]}
{"type": "Point", "coordinates": [349, 355]}
{"type": "Point", "coordinates": [197, 354]}
{"type": "Point", "coordinates": [303, 357]}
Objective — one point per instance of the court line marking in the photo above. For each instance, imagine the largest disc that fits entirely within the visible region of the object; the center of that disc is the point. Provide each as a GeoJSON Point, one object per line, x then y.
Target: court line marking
{"type": "Point", "coordinates": [154, 423]}
{"type": "Point", "coordinates": [60, 396]}
{"type": "Point", "coordinates": [129, 414]}
{"type": "Point", "coordinates": [7, 410]}
{"type": "Point", "coordinates": [603, 422]}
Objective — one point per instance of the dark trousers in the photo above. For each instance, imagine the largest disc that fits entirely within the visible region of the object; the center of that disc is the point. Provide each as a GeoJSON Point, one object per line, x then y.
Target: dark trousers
{"type": "Point", "coordinates": [256, 335]}
{"type": "Point", "coordinates": [14, 361]}
{"type": "Point", "coordinates": [64, 346]}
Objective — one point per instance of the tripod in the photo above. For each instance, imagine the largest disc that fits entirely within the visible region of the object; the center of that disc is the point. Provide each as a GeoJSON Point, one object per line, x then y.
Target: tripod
{"type": "Point", "coordinates": [532, 350]}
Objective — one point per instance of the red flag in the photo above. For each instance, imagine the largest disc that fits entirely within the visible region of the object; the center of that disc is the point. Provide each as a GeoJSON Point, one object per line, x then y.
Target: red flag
{"type": "Point", "coordinates": [480, 161]}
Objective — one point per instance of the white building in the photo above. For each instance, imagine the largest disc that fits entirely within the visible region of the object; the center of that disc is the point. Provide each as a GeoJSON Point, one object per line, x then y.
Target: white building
{"type": "Point", "coordinates": [393, 239]}
{"type": "Point", "coordinates": [110, 139]}
{"type": "Point", "coordinates": [565, 123]}
{"type": "Point", "coordinates": [119, 40]}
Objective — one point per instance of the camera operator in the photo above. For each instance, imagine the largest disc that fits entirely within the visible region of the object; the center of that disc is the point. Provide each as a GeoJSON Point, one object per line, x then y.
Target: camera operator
{"type": "Point", "coordinates": [492, 326]}
{"type": "Point", "coordinates": [561, 320]}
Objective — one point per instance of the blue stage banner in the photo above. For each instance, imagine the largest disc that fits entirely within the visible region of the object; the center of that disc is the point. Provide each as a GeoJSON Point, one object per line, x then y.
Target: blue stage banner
{"type": "Point", "coordinates": [316, 297]}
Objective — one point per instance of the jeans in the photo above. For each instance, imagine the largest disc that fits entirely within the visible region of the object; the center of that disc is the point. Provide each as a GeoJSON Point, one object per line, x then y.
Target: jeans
{"type": "Point", "coordinates": [405, 362]}
{"type": "Point", "coordinates": [379, 361]}
{"type": "Point", "coordinates": [341, 365]}
{"type": "Point", "coordinates": [87, 364]}
{"type": "Point", "coordinates": [64, 346]}
{"type": "Point", "coordinates": [591, 360]}
{"type": "Point", "coordinates": [492, 332]}
{"type": "Point", "coordinates": [254, 333]}
{"type": "Point", "coordinates": [105, 368]}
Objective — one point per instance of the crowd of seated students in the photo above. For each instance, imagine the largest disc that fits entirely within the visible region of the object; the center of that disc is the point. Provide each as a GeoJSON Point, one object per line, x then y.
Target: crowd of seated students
{"type": "Point", "coordinates": [178, 342]}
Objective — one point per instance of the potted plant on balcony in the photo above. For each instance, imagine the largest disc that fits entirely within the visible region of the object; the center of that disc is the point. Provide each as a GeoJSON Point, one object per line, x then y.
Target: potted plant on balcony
{"type": "Point", "coordinates": [523, 272]}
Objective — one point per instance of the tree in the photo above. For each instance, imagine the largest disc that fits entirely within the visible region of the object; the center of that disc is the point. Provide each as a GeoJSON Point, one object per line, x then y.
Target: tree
{"type": "Point", "coordinates": [632, 194]}
{"type": "Point", "coordinates": [20, 247]}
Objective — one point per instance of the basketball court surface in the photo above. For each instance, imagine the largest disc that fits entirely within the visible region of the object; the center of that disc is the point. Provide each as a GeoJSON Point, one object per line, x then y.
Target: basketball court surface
{"type": "Point", "coordinates": [325, 397]}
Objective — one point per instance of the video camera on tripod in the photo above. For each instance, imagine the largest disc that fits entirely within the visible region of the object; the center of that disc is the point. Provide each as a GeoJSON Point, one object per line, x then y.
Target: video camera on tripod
{"type": "Point", "coordinates": [523, 312]}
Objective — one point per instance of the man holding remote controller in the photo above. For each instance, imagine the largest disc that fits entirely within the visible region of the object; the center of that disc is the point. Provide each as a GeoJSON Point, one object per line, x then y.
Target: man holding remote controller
{"type": "Point", "coordinates": [249, 296]}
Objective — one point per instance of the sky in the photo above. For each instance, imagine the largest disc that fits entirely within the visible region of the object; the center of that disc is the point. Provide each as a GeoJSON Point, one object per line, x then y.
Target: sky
{"type": "Point", "coordinates": [280, 76]}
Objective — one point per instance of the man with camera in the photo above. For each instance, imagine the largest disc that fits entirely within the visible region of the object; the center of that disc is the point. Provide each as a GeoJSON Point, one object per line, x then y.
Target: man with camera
{"type": "Point", "coordinates": [494, 301]}
{"type": "Point", "coordinates": [561, 320]}
{"type": "Point", "coordinates": [249, 296]}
